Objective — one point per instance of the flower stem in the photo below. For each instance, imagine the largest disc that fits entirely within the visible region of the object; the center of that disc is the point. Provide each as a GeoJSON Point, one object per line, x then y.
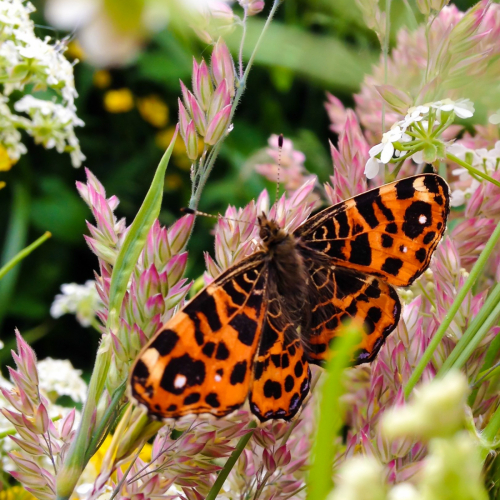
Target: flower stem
{"type": "Point", "coordinates": [438, 336]}
{"type": "Point", "coordinates": [472, 170]}
{"type": "Point", "coordinates": [23, 254]}
{"type": "Point", "coordinates": [490, 432]}
{"type": "Point", "coordinates": [231, 461]}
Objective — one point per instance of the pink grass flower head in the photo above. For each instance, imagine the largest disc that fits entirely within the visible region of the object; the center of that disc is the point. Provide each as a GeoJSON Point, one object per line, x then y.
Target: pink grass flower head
{"type": "Point", "coordinates": [39, 444]}
{"type": "Point", "coordinates": [290, 164]}
{"type": "Point", "coordinates": [349, 160]}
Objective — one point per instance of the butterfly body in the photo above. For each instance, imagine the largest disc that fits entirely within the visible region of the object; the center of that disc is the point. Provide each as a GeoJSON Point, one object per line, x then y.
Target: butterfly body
{"type": "Point", "coordinates": [252, 333]}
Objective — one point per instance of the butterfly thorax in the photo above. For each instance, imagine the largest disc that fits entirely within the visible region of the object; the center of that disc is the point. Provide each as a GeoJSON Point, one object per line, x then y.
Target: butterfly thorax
{"type": "Point", "coordinates": [286, 264]}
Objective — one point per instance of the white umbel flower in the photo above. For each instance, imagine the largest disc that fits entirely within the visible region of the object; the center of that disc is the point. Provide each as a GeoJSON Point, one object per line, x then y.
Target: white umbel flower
{"type": "Point", "coordinates": [81, 300]}
{"type": "Point", "coordinates": [59, 378]}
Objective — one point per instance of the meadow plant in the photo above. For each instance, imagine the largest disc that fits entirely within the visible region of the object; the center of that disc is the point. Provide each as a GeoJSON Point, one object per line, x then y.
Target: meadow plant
{"type": "Point", "coordinates": [420, 421]}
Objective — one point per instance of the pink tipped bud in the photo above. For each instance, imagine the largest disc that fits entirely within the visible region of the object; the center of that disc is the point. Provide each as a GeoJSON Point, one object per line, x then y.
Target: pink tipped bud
{"type": "Point", "coordinates": [220, 99]}
{"type": "Point", "coordinates": [191, 141]}
{"type": "Point", "coordinates": [269, 462]}
{"type": "Point", "coordinates": [218, 126]}
{"type": "Point", "coordinates": [202, 84]}
{"type": "Point", "coordinates": [42, 419]}
{"type": "Point", "coordinates": [222, 65]}
{"type": "Point", "coordinates": [185, 94]}
{"type": "Point", "coordinates": [252, 7]}
{"type": "Point", "coordinates": [183, 119]}
{"type": "Point", "coordinates": [198, 115]}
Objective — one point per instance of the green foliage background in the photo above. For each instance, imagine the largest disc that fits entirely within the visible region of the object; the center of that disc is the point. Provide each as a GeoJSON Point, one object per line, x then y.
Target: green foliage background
{"type": "Point", "coordinates": [312, 47]}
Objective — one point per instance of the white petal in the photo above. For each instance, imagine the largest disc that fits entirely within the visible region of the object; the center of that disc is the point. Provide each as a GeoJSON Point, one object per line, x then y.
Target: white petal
{"type": "Point", "coordinates": [463, 113]}
{"type": "Point", "coordinates": [495, 119]}
{"type": "Point", "coordinates": [371, 168]}
{"type": "Point", "coordinates": [376, 150]}
{"type": "Point", "coordinates": [387, 152]}
{"type": "Point", "coordinates": [446, 107]}
{"type": "Point", "coordinates": [457, 198]}
{"type": "Point", "coordinates": [418, 157]}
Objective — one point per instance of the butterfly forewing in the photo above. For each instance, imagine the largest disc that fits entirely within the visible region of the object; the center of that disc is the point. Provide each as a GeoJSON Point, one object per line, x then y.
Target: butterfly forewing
{"type": "Point", "coordinates": [389, 232]}
{"type": "Point", "coordinates": [201, 360]}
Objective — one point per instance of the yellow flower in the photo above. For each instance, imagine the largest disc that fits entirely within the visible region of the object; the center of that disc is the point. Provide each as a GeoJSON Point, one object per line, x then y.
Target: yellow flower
{"type": "Point", "coordinates": [5, 161]}
{"type": "Point", "coordinates": [102, 79]}
{"type": "Point", "coordinates": [2, 184]}
{"type": "Point", "coordinates": [75, 51]}
{"type": "Point", "coordinates": [153, 110]}
{"type": "Point", "coordinates": [16, 493]}
{"type": "Point", "coordinates": [173, 182]}
{"type": "Point", "coordinates": [118, 101]}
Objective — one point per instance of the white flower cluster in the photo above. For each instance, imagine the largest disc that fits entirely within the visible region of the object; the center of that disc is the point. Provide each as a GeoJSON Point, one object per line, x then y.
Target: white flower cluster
{"type": "Point", "coordinates": [81, 300]}
{"type": "Point", "coordinates": [462, 108]}
{"type": "Point", "coordinates": [59, 378]}
{"type": "Point", "coordinates": [26, 60]}
{"type": "Point", "coordinates": [486, 160]}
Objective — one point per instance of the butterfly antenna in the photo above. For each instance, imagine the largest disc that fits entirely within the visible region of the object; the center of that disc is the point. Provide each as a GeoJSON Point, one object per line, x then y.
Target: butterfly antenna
{"type": "Point", "coordinates": [280, 149]}
{"type": "Point", "coordinates": [192, 211]}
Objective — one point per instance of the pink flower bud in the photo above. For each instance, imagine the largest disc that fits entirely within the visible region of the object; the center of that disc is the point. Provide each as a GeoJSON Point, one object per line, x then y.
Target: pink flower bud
{"type": "Point", "coordinates": [222, 65]}
{"type": "Point", "coordinates": [191, 141]}
{"type": "Point", "coordinates": [252, 7]}
{"type": "Point", "coordinates": [178, 233]}
{"type": "Point", "coordinates": [197, 114]}
{"type": "Point", "coordinates": [202, 83]}
{"type": "Point", "coordinates": [282, 456]}
{"type": "Point", "coordinates": [269, 462]}
{"type": "Point", "coordinates": [217, 128]}
{"type": "Point", "coordinates": [42, 419]}
{"type": "Point", "coordinates": [183, 119]}
{"type": "Point", "coordinates": [185, 94]}
{"type": "Point", "coordinates": [220, 99]}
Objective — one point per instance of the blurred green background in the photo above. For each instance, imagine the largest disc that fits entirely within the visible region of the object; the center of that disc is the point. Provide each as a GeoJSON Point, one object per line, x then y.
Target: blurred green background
{"type": "Point", "coordinates": [312, 47]}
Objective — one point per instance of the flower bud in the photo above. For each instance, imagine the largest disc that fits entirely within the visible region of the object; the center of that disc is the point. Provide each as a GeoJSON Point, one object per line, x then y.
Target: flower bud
{"type": "Point", "coordinates": [183, 119]}
{"type": "Point", "coordinates": [398, 100]}
{"type": "Point", "coordinates": [222, 65]}
{"type": "Point", "coordinates": [427, 7]}
{"type": "Point", "coordinates": [197, 114]}
{"type": "Point", "coordinates": [220, 99]}
{"type": "Point", "coordinates": [218, 126]}
{"type": "Point", "coordinates": [191, 141]}
{"type": "Point", "coordinates": [252, 7]}
{"type": "Point", "coordinates": [202, 84]}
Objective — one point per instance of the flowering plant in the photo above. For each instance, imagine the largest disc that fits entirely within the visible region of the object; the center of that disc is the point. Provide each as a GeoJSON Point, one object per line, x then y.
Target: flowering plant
{"type": "Point", "coordinates": [422, 420]}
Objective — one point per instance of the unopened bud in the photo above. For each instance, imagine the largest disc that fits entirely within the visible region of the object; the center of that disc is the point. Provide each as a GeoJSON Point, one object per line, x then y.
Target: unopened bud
{"type": "Point", "coordinates": [191, 141]}
{"type": "Point", "coordinates": [202, 84]}
{"type": "Point", "coordinates": [220, 99]}
{"type": "Point", "coordinates": [183, 119]}
{"type": "Point", "coordinates": [218, 126]}
{"type": "Point", "coordinates": [222, 65]}
{"type": "Point", "coordinates": [197, 114]}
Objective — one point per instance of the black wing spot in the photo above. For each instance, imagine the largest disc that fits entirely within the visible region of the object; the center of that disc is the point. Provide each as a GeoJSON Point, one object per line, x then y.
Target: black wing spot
{"type": "Point", "coordinates": [418, 216]}
{"type": "Point", "coordinates": [421, 254]}
{"type": "Point", "coordinates": [246, 328]}
{"type": "Point", "coordinates": [439, 199]}
{"type": "Point", "coordinates": [374, 313]}
{"type": "Point", "coordinates": [208, 349]}
{"type": "Point", "coordinates": [212, 400]}
{"type": "Point", "coordinates": [392, 228]}
{"type": "Point", "coordinates": [299, 369]}
{"type": "Point", "coordinates": [222, 351]}
{"type": "Point", "coordinates": [431, 182]}
{"type": "Point", "coordinates": [165, 342]}
{"type": "Point", "coordinates": [289, 383]}
{"type": "Point", "coordinates": [429, 237]}
{"type": "Point", "coordinates": [387, 241]}
{"type": "Point", "coordinates": [172, 408]}
{"type": "Point", "coordinates": [405, 189]}
{"type": "Point", "coordinates": [209, 311]}
{"type": "Point", "coordinates": [361, 252]}
{"type": "Point", "coordinates": [184, 366]}
{"type": "Point", "coordinates": [385, 210]}
{"type": "Point", "coordinates": [364, 204]}
{"type": "Point", "coordinates": [344, 227]}
{"type": "Point", "coordinates": [238, 373]}
{"type": "Point", "coordinates": [285, 360]}
{"type": "Point", "coordinates": [392, 266]}
{"type": "Point", "coordinates": [192, 398]}
{"type": "Point", "coordinates": [258, 370]}
{"type": "Point", "coordinates": [272, 389]}
{"type": "Point", "coordinates": [276, 359]}
{"type": "Point", "coordinates": [141, 371]}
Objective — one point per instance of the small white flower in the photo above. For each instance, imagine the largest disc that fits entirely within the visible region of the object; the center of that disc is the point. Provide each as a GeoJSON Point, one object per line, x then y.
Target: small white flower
{"type": "Point", "coordinates": [372, 168]}
{"type": "Point", "coordinates": [404, 491]}
{"type": "Point", "coordinates": [463, 108]}
{"type": "Point", "coordinates": [81, 300]}
{"type": "Point", "coordinates": [494, 119]}
{"type": "Point", "coordinates": [58, 376]}
{"type": "Point", "coordinates": [457, 198]}
{"type": "Point", "coordinates": [415, 114]}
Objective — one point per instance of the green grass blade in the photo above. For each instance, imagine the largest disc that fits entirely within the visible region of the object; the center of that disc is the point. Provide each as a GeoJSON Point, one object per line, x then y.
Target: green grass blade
{"type": "Point", "coordinates": [320, 481]}
{"type": "Point", "coordinates": [23, 254]}
{"type": "Point", "coordinates": [474, 333]}
{"type": "Point", "coordinates": [441, 331]}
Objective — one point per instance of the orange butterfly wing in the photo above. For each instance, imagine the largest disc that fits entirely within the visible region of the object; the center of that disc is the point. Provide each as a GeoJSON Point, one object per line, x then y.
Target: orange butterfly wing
{"type": "Point", "coordinates": [390, 232]}
{"type": "Point", "coordinates": [201, 360]}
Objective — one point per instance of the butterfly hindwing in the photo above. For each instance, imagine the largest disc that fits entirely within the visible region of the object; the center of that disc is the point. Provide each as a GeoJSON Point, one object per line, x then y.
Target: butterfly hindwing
{"type": "Point", "coordinates": [338, 295]}
{"type": "Point", "coordinates": [281, 376]}
{"type": "Point", "coordinates": [201, 360]}
{"type": "Point", "coordinates": [390, 232]}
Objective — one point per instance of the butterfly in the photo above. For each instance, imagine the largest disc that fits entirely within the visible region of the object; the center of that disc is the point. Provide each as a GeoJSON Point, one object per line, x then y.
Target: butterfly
{"type": "Point", "coordinates": [253, 332]}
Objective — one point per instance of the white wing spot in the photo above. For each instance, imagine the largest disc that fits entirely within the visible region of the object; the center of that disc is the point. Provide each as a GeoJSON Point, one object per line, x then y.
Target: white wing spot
{"type": "Point", "coordinates": [422, 219]}
{"type": "Point", "coordinates": [404, 249]}
{"type": "Point", "coordinates": [180, 381]}
{"type": "Point", "coordinates": [218, 378]}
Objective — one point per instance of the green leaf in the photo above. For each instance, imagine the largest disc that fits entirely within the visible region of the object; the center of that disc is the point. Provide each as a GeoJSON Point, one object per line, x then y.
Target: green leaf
{"type": "Point", "coordinates": [136, 239]}
{"type": "Point", "coordinates": [320, 481]}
